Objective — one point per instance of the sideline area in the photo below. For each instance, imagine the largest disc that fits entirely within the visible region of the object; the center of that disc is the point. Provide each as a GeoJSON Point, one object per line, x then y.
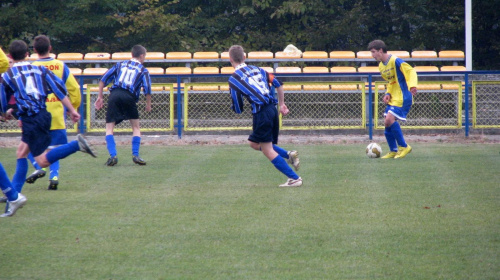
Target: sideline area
{"type": "Point", "coordinates": [173, 140]}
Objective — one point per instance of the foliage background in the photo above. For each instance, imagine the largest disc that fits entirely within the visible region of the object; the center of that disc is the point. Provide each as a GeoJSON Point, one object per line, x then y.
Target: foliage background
{"type": "Point", "coordinates": [214, 25]}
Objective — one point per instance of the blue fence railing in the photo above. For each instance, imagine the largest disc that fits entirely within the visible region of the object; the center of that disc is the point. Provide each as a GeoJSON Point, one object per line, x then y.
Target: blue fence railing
{"type": "Point", "coordinates": [465, 76]}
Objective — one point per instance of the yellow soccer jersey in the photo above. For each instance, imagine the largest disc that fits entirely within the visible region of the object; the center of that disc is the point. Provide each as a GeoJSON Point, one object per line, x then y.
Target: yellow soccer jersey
{"type": "Point", "coordinates": [54, 105]}
{"type": "Point", "coordinates": [4, 62]}
{"type": "Point", "coordinates": [400, 77]}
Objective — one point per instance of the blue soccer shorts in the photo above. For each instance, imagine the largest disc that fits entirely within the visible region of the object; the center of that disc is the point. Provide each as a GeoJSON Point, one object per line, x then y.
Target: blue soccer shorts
{"type": "Point", "coordinates": [398, 112]}
{"type": "Point", "coordinates": [36, 132]}
{"type": "Point", "coordinates": [265, 125]}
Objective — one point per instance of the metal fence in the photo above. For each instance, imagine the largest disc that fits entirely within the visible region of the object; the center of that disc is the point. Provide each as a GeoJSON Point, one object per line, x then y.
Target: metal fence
{"type": "Point", "coordinates": [486, 104]}
{"type": "Point", "coordinates": [180, 103]}
{"type": "Point", "coordinates": [161, 117]}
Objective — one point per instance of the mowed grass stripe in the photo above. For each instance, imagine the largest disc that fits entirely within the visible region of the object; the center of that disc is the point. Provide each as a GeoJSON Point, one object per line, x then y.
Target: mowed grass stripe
{"type": "Point", "coordinates": [215, 212]}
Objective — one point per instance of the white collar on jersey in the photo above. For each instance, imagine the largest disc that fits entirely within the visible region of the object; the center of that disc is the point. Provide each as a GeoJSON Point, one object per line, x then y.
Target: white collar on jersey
{"type": "Point", "coordinates": [240, 66]}
{"type": "Point", "coordinates": [388, 58]}
{"type": "Point", "coordinates": [135, 60]}
{"type": "Point", "coordinates": [21, 63]}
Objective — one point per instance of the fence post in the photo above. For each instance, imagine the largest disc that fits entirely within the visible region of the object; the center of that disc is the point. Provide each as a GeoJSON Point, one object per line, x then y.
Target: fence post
{"type": "Point", "coordinates": [179, 108]}
{"type": "Point", "coordinates": [466, 105]}
{"type": "Point", "coordinates": [370, 107]}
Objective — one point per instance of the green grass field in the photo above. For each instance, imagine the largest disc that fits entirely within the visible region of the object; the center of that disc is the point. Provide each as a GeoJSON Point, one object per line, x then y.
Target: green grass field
{"type": "Point", "coordinates": [215, 212]}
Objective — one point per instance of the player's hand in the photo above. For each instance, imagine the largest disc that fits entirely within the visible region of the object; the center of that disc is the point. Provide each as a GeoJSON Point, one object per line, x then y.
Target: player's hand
{"type": "Point", "coordinates": [8, 114]}
{"type": "Point", "coordinates": [98, 103]}
{"type": "Point", "coordinates": [148, 108]}
{"type": "Point", "coordinates": [413, 90]}
{"type": "Point", "coordinates": [386, 98]}
{"type": "Point", "coordinates": [75, 117]}
{"type": "Point", "coordinates": [284, 110]}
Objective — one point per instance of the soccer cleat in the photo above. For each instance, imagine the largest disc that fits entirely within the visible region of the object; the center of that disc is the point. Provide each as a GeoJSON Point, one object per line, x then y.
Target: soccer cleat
{"type": "Point", "coordinates": [112, 161]}
{"type": "Point", "coordinates": [85, 145]}
{"type": "Point", "coordinates": [138, 160]}
{"type": "Point", "coordinates": [403, 151]}
{"type": "Point", "coordinates": [390, 155]}
{"type": "Point", "coordinates": [35, 175]}
{"type": "Point", "coordinates": [53, 184]}
{"type": "Point", "coordinates": [293, 159]}
{"type": "Point", "coordinates": [3, 199]}
{"type": "Point", "coordinates": [14, 206]}
{"type": "Point", "coordinates": [292, 183]}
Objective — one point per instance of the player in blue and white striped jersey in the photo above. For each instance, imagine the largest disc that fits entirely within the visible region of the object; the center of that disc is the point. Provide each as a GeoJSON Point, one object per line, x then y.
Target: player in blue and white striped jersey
{"type": "Point", "coordinates": [30, 85]}
{"type": "Point", "coordinates": [128, 77]}
{"type": "Point", "coordinates": [253, 83]}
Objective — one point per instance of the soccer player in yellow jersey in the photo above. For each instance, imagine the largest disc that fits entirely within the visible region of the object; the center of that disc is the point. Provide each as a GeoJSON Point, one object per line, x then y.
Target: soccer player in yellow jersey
{"type": "Point", "coordinates": [4, 62]}
{"type": "Point", "coordinates": [43, 48]}
{"type": "Point", "coordinates": [4, 65]}
{"type": "Point", "coordinates": [402, 85]}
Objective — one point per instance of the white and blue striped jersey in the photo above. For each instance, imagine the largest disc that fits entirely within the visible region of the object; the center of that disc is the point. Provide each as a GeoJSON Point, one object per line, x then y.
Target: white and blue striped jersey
{"type": "Point", "coordinates": [253, 83]}
{"type": "Point", "coordinates": [30, 85]}
{"type": "Point", "coordinates": [129, 75]}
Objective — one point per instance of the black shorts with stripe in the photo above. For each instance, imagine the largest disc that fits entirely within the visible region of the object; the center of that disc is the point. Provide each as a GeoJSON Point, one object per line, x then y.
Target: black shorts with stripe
{"type": "Point", "coordinates": [121, 106]}
{"type": "Point", "coordinates": [265, 125]}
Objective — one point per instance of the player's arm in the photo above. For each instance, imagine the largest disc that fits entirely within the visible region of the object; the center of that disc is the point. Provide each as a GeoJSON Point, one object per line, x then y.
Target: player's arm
{"type": "Point", "coordinates": [387, 98]}
{"type": "Point", "coordinates": [4, 61]}
{"type": "Point", "coordinates": [281, 93]}
{"type": "Point", "coordinates": [106, 78]}
{"type": "Point", "coordinates": [3, 100]}
{"type": "Point", "coordinates": [410, 76]}
{"type": "Point", "coordinates": [73, 88]}
{"type": "Point", "coordinates": [237, 101]}
{"type": "Point", "coordinates": [281, 101]}
{"type": "Point", "coordinates": [236, 95]}
{"type": "Point", "coordinates": [146, 81]}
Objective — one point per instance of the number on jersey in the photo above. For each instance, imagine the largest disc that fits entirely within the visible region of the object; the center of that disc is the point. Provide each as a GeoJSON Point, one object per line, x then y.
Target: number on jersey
{"type": "Point", "coordinates": [31, 88]}
{"type": "Point", "coordinates": [127, 77]}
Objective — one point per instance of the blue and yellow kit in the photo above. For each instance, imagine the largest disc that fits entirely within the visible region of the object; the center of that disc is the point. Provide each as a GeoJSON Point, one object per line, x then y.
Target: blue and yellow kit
{"type": "Point", "coordinates": [400, 77]}
{"type": "Point", "coordinates": [54, 105]}
{"type": "Point", "coordinates": [4, 62]}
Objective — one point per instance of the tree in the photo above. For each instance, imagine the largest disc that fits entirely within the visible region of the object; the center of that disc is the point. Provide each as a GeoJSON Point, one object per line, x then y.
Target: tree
{"type": "Point", "coordinates": [214, 25]}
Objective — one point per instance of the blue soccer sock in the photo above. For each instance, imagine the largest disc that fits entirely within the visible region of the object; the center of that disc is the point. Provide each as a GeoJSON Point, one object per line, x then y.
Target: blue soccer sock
{"type": "Point", "coordinates": [398, 134]}
{"type": "Point", "coordinates": [282, 152]}
{"type": "Point", "coordinates": [62, 151]}
{"type": "Point", "coordinates": [6, 185]}
{"type": "Point", "coordinates": [33, 162]}
{"type": "Point", "coordinates": [281, 165]}
{"type": "Point", "coordinates": [111, 145]}
{"type": "Point", "coordinates": [54, 170]}
{"type": "Point", "coordinates": [391, 141]}
{"type": "Point", "coordinates": [136, 144]}
{"type": "Point", "coordinates": [20, 175]}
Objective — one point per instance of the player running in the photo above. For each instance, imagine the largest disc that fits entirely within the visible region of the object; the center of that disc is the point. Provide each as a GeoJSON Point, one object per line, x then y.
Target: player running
{"type": "Point", "coordinates": [43, 47]}
{"type": "Point", "coordinates": [30, 84]}
{"type": "Point", "coordinates": [253, 83]}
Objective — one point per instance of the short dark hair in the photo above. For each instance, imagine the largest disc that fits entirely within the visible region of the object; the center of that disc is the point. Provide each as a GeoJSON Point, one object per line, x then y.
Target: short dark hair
{"type": "Point", "coordinates": [237, 53]}
{"type": "Point", "coordinates": [18, 50]}
{"type": "Point", "coordinates": [41, 44]}
{"type": "Point", "coordinates": [377, 45]}
{"type": "Point", "coordinates": [137, 50]}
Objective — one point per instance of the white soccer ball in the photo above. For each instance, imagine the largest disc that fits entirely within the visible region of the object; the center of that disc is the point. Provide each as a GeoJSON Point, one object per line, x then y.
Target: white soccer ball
{"type": "Point", "coordinates": [373, 150]}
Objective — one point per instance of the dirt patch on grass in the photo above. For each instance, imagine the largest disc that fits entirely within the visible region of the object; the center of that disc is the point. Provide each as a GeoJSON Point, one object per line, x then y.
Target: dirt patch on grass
{"type": "Point", "coordinates": [173, 140]}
